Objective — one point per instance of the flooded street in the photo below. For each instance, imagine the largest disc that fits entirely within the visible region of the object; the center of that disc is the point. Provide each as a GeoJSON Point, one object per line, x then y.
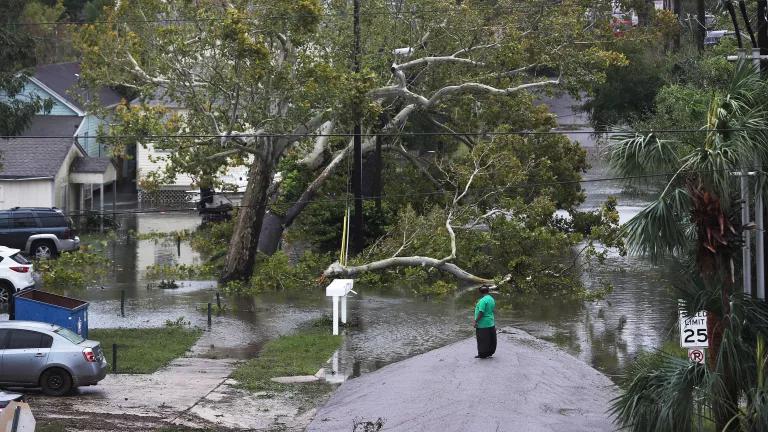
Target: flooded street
{"type": "Point", "coordinates": [387, 325]}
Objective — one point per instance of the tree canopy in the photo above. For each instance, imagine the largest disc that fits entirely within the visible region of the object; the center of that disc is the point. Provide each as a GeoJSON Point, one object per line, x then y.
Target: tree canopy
{"type": "Point", "coordinates": [271, 85]}
{"type": "Point", "coordinates": [17, 56]}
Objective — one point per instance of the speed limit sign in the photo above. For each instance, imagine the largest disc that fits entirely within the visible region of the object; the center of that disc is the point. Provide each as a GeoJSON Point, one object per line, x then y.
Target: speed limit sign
{"type": "Point", "coordinates": [693, 330]}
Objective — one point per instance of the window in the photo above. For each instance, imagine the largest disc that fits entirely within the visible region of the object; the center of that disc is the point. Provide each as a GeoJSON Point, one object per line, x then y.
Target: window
{"type": "Point", "coordinates": [69, 335]}
{"type": "Point", "coordinates": [24, 220]}
{"type": "Point", "coordinates": [5, 220]}
{"type": "Point", "coordinates": [19, 259]}
{"type": "Point", "coordinates": [3, 338]}
{"type": "Point", "coordinates": [27, 339]}
{"type": "Point", "coordinates": [52, 219]}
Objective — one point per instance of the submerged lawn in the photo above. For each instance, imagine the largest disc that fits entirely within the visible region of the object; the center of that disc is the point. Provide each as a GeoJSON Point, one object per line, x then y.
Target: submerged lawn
{"type": "Point", "coordinates": [302, 353]}
{"type": "Point", "coordinates": [144, 350]}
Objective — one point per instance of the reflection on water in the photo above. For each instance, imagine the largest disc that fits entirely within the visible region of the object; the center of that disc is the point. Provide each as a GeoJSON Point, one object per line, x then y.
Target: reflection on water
{"type": "Point", "coordinates": [389, 326]}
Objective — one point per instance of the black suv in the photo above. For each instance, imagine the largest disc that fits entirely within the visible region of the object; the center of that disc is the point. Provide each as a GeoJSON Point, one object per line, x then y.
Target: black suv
{"type": "Point", "coordinates": [38, 231]}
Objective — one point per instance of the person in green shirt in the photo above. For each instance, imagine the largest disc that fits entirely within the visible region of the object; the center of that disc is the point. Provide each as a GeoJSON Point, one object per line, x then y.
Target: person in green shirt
{"type": "Point", "coordinates": [485, 324]}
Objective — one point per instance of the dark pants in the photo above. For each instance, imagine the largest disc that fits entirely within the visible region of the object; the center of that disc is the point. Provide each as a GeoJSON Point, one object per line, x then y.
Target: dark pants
{"type": "Point", "coordinates": [486, 341]}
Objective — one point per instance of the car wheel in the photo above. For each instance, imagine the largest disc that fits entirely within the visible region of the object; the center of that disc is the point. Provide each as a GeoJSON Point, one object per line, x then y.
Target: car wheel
{"type": "Point", "coordinates": [56, 382]}
{"type": "Point", "coordinates": [6, 291]}
{"type": "Point", "coordinates": [43, 250]}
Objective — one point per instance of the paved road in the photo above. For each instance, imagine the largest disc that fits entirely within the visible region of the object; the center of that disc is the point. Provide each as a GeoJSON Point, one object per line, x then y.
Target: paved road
{"type": "Point", "coordinates": [529, 385]}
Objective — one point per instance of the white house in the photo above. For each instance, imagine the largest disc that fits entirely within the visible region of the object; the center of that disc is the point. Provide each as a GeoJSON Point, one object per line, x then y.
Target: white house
{"type": "Point", "coordinates": [49, 172]}
{"type": "Point", "coordinates": [150, 159]}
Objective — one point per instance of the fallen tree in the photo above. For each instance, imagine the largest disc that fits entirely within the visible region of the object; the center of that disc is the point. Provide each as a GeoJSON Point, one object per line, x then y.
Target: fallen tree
{"type": "Point", "coordinates": [259, 90]}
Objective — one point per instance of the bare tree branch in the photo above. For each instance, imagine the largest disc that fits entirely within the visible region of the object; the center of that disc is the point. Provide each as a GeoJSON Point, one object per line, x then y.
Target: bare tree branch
{"type": "Point", "coordinates": [336, 269]}
{"type": "Point", "coordinates": [431, 60]}
{"type": "Point", "coordinates": [473, 87]}
{"type": "Point", "coordinates": [315, 157]}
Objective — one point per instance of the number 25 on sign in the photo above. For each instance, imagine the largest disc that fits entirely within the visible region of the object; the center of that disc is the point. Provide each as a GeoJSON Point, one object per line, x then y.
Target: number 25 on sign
{"type": "Point", "coordinates": [693, 330]}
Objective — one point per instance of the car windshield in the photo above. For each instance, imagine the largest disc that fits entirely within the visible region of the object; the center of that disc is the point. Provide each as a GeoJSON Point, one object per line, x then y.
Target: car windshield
{"type": "Point", "coordinates": [69, 335]}
{"type": "Point", "coordinates": [19, 259]}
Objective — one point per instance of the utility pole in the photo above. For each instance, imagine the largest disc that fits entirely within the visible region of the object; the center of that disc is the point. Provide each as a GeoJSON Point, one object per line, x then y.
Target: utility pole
{"type": "Point", "coordinates": [357, 164]}
{"type": "Point", "coordinates": [762, 43]}
{"type": "Point", "coordinates": [757, 56]}
{"type": "Point", "coordinates": [701, 25]}
{"type": "Point", "coordinates": [762, 29]}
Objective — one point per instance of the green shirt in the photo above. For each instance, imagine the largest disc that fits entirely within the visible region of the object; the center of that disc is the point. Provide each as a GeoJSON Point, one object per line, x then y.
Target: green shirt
{"type": "Point", "coordinates": [486, 306]}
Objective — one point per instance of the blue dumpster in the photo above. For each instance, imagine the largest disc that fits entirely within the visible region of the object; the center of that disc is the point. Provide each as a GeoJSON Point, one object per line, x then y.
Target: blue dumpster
{"type": "Point", "coordinates": [35, 305]}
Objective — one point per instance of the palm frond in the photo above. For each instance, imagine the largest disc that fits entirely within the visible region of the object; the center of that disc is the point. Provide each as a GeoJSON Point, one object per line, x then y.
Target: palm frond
{"type": "Point", "coordinates": [698, 293]}
{"type": "Point", "coordinates": [638, 155]}
{"type": "Point", "coordinates": [660, 396]}
{"type": "Point", "coordinates": [660, 229]}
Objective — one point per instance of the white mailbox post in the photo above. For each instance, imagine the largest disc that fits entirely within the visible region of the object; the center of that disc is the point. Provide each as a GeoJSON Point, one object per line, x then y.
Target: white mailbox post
{"type": "Point", "coordinates": [339, 288]}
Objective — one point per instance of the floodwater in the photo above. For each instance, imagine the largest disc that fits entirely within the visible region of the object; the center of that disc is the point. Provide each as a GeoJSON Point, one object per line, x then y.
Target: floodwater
{"type": "Point", "coordinates": [387, 325]}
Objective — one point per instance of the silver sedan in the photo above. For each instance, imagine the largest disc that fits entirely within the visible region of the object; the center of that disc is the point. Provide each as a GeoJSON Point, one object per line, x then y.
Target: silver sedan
{"type": "Point", "coordinates": [35, 354]}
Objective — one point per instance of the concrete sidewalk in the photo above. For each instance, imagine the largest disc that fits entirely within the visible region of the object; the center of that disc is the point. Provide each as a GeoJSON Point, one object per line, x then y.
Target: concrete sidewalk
{"type": "Point", "coordinates": [529, 385]}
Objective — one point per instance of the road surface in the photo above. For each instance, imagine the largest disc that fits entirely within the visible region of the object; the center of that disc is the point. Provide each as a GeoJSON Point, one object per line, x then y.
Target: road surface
{"type": "Point", "coordinates": [529, 385]}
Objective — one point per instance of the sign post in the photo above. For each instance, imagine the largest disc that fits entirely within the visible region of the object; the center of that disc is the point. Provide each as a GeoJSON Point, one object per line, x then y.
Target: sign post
{"type": "Point", "coordinates": [338, 290]}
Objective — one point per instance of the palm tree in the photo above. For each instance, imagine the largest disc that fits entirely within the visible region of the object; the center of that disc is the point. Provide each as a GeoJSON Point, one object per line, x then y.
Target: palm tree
{"type": "Point", "coordinates": [695, 217]}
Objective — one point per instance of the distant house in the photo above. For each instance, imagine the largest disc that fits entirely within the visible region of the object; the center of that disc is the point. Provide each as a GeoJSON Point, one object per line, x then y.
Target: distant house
{"type": "Point", "coordinates": [59, 82]}
{"type": "Point", "coordinates": [150, 159]}
{"type": "Point", "coordinates": [49, 172]}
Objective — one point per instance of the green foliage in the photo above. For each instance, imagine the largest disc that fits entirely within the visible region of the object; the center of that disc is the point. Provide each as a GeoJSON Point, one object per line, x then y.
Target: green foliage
{"type": "Point", "coordinates": [661, 395]}
{"type": "Point", "coordinates": [17, 56]}
{"type": "Point", "coordinates": [146, 350]}
{"type": "Point", "coordinates": [660, 388]}
{"type": "Point", "coordinates": [211, 240]}
{"type": "Point", "coordinates": [73, 272]}
{"type": "Point", "coordinates": [178, 323]}
{"type": "Point", "coordinates": [180, 271]}
{"type": "Point", "coordinates": [695, 217]}
{"type": "Point", "coordinates": [629, 89]}
{"type": "Point", "coordinates": [289, 70]}
{"type": "Point", "coordinates": [302, 353]}
{"type": "Point", "coordinates": [93, 10]}
{"type": "Point", "coordinates": [277, 273]}
{"type": "Point", "coordinates": [53, 43]}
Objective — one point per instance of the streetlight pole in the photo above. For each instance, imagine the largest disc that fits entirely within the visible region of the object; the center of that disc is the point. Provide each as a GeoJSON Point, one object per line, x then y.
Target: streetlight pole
{"type": "Point", "coordinates": [746, 252]}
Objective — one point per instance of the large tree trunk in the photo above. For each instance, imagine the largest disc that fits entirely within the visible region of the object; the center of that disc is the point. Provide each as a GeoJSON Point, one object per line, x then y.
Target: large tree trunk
{"type": "Point", "coordinates": [725, 404]}
{"type": "Point", "coordinates": [701, 26]}
{"type": "Point", "coordinates": [271, 233]}
{"type": "Point", "coordinates": [245, 238]}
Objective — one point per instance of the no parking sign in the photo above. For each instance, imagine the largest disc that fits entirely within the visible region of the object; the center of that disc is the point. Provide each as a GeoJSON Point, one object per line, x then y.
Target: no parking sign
{"type": "Point", "coordinates": [696, 355]}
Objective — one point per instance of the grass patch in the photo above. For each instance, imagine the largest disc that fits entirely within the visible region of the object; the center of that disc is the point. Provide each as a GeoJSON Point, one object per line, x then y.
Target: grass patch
{"type": "Point", "coordinates": [302, 353]}
{"type": "Point", "coordinates": [145, 350]}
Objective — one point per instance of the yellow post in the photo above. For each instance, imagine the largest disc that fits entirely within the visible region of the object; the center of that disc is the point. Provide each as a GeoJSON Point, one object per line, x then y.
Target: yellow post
{"type": "Point", "coordinates": [343, 239]}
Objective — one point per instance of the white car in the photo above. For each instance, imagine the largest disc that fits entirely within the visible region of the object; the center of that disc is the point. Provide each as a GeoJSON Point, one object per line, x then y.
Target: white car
{"type": "Point", "coordinates": [16, 274]}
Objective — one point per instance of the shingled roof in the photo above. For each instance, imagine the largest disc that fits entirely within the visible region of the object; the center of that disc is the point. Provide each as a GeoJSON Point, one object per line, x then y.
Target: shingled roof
{"type": "Point", "coordinates": [91, 165]}
{"type": "Point", "coordinates": [52, 126]}
{"type": "Point", "coordinates": [62, 78]}
{"type": "Point", "coordinates": [32, 158]}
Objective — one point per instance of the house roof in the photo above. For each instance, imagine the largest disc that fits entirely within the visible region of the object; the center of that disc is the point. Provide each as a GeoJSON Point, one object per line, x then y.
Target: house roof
{"type": "Point", "coordinates": [159, 98]}
{"type": "Point", "coordinates": [52, 126]}
{"type": "Point", "coordinates": [62, 78]}
{"type": "Point", "coordinates": [91, 164]}
{"type": "Point", "coordinates": [33, 158]}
